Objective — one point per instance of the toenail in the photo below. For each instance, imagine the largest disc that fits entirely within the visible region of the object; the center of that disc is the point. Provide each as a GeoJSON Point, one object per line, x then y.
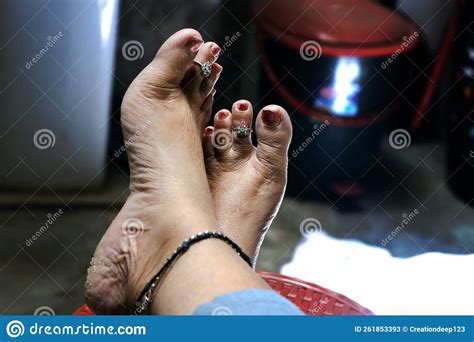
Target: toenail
{"type": "Point", "coordinates": [194, 44]}
{"type": "Point", "coordinates": [243, 106]}
{"type": "Point", "coordinates": [215, 50]}
{"type": "Point", "coordinates": [222, 115]}
{"type": "Point", "coordinates": [270, 118]}
{"type": "Point", "coordinates": [209, 130]}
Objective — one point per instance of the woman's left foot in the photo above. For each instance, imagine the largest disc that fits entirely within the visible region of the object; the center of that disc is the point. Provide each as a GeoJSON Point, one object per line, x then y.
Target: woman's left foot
{"type": "Point", "coordinates": [247, 182]}
{"type": "Point", "coordinates": [163, 114]}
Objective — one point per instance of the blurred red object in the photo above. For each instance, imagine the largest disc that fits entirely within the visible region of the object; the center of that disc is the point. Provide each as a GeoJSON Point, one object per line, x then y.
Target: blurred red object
{"type": "Point", "coordinates": [337, 65]}
{"type": "Point", "coordinates": [312, 299]}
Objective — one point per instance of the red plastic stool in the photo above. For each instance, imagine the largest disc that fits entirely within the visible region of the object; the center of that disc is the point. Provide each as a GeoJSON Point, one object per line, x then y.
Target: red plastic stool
{"type": "Point", "coordinates": [312, 299]}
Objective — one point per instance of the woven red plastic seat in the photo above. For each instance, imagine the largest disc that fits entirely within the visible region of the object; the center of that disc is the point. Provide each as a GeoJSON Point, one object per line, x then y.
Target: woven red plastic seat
{"type": "Point", "coordinates": [312, 299]}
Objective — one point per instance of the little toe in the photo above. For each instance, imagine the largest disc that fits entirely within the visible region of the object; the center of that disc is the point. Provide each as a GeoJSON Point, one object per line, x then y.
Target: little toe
{"type": "Point", "coordinates": [207, 145]}
{"type": "Point", "coordinates": [274, 132]}
{"type": "Point", "coordinates": [208, 102]}
{"type": "Point", "coordinates": [206, 108]}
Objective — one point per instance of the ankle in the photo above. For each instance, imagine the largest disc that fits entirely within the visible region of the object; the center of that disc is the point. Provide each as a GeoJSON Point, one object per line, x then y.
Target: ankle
{"type": "Point", "coordinates": [216, 276]}
{"type": "Point", "coordinates": [166, 226]}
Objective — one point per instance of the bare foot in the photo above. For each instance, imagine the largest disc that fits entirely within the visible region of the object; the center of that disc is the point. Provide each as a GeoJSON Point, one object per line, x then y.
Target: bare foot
{"type": "Point", "coordinates": [247, 182]}
{"type": "Point", "coordinates": [163, 114]}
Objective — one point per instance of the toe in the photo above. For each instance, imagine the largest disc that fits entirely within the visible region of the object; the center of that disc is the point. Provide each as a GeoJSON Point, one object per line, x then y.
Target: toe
{"type": "Point", "coordinates": [208, 102]}
{"type": "Point", "coordinates": [175, 55]}
{"type": "Point", "coordinates": [206, 108]}
{"type": "Point", "coordinates": [207, 84]}
{"type": "Point", "coordinates": [222, 139]}
{"type": "Point", "coordinates": [274, 132]}
{"type": "Point", "coordinates": [207, 146]}
{"type": "Point", "coordinates": [242, 113]}
{"type": "Point", "coordinates": [208, 53]}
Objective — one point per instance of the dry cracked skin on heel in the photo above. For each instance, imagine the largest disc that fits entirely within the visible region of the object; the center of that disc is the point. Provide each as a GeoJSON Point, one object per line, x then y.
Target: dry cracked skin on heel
{"type": "Point", "coordinates": [171, 103]}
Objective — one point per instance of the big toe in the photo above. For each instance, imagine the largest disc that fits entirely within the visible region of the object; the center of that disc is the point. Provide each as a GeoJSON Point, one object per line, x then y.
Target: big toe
{"type": "Point", "coordinates": [175, 55]}
{"type": "Point", "coordinates": [274, 132]}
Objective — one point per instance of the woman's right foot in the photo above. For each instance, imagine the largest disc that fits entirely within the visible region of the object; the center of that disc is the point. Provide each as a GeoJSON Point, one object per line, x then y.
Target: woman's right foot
{"type": "Point", "coordinates": [247, 182]}
{"type": "Point", "coordinates": [163, 114]}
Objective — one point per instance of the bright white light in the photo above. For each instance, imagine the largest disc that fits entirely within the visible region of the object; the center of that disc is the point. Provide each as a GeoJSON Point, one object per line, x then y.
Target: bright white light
{"type": "Point", "coordinates": [345, 86]}
{"type": "Point", "coordinates": [385, 284]}
{"type": "Point", "coordinates": [106, 15]}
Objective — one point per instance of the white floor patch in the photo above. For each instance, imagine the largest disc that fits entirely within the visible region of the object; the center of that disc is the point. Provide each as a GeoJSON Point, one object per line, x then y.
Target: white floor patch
{"type": "Point", "coordinates": [427, 284]}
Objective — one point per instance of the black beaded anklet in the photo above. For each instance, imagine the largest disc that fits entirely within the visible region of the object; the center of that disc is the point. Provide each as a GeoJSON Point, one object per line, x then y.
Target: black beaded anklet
{"type": "Point", "coordinates": [144, 300]}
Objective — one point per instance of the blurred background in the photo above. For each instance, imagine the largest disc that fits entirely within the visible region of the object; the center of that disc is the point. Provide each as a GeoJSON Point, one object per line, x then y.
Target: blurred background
{"type": "Point", "coordinates": [380, 193]}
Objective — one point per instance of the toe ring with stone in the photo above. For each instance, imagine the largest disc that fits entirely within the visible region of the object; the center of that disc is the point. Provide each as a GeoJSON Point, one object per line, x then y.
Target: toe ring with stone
{"type": "Point", "coordinates": [242, 129]}
{"type": "Point", "coordinates": [206, 68]}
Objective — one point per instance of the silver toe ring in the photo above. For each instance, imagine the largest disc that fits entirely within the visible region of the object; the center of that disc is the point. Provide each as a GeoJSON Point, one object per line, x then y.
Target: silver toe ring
{"type": "Point", "coordinates": [242, 129]}
{"type": "Point", "coordinates": [206, 68]}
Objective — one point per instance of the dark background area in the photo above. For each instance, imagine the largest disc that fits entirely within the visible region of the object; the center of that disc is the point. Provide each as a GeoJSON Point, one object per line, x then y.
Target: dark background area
{"type": "Point", "coordinates": [51, 272]}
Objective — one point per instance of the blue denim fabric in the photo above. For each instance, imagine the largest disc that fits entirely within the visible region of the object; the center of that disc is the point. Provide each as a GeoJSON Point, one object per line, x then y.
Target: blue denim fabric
{"type": "Point", "coordinates": [249, 302]}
